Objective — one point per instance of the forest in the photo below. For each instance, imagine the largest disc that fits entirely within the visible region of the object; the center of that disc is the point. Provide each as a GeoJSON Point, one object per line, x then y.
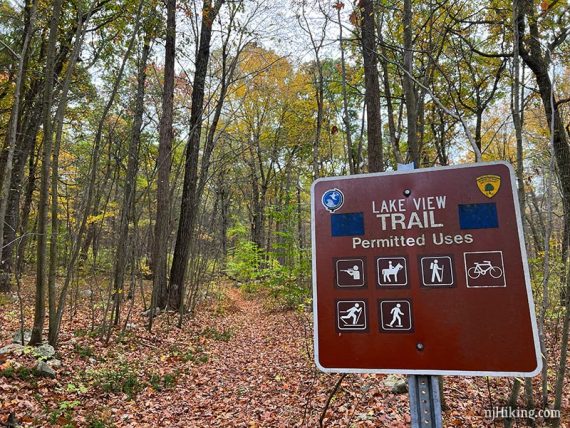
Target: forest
{"type": "Point", "coordinates": [156, 162]}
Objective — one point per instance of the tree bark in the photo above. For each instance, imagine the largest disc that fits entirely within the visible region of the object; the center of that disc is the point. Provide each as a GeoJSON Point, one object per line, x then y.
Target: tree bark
{"type": "Point", "coordinates": [13, 129]}
{"type": "Point", "coordinates": [516, 96]}
{"type": "Point", "coordinates": [25, 214]}
{"type": "Point", "coordinates": [224, 204]}
{"type": "Point", "coordinates": [353, 162]}
{"type": "Point", "coordinates": [94, 167]}
{"type": "Point", "coordinates": [59, 118]}
{"type": "Point", "coordinates": [39, 312]}
{"type": "Point", "coordinates": [28, 131]}
{"type": "Point", "coordinates": [372, 88]}
{"type": "Point", "coordinates": [538, 61]}
{"type": "Point", "coordinates": [319, 99]}
{"type": "Point", "coordinates": [188, 208]}
{"type": "Point", "coordinates": [408, 84]}
{"type": "Point", "coordinates": [562, 367]}
{"type": "Point", "coordinates": [564, 257]}
{"type": "Point", "coordinates": [164, 161]}
{"type": "Point", "coordinates": [394, 137]}
{"type": "Point", "coordinates": [31, 115]}
{"type": "Point", "coordinates": [130, 182]}
{"type": "Point", "coordinates": [226, 80]}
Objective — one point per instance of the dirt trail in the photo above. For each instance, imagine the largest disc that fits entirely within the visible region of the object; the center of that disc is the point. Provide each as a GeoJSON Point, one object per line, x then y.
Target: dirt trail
{"type": "Point", "coordinates": [260, 376]}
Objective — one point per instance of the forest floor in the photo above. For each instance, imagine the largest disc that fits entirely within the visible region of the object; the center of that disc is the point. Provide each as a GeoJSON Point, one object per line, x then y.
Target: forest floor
{"type": "Point", "coordinates": [238, 363]}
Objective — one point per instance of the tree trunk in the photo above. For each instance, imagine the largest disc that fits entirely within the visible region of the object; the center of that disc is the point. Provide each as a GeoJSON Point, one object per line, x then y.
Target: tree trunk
{"type": "Point", "coordinates": [353, 162]}
{"type": "Point", "coordinates": [562, 367]}
{"type": "Point", "coordinates": [164, 161]}
{"type": "Point", "coordinates": [39, 313]}
{"type": "Point", "coordinates": [300, 234]}
{"type": "Point", "coordinates": [564, 257]}
{"type": "Point", "coordinates": [13, 129]}
{"type": "Point", "coordinates": [189, 205]}
{"type": "Point", "coordinates": [31, 114]}
{"type": "Point", "coordinates": [319, 98]}
{"type": "Point", "coordinates": [539, 64]}
{"type": "Point", "coordinates": [394, 138]}
{"type": "Point", "coordinates": [59, 118]}
{"type": "Point", "coordinates": [224, 213]}
{"type": "Point", "coordinates": [227, 71]}
{"type": "Point", "coordinates": [531, 51]}
{"type": "Point", "coordinates": [408, 85]}
{"type": "Point", "coordinates": [94, 167]}
{"type": "Point", "coordinates": [25, 214]}
{"type": "Point", "coordinates": [258, 217]}
{"type": "Point", "coordinates": [130, 182]}
{"type": "Point", "coordinates": [28, 132]}
{"type": "Point", "coordinates": [516, 96]}
{"type": "Point", "coordinates": [372, 89]}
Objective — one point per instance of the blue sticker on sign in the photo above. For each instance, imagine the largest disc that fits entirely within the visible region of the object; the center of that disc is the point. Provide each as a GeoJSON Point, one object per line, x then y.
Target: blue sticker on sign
{"type": "Point", "coordinates": [332, 199]}
{"type": "Point", "coordinates": [478, 216]}
{"type": "Point", "coordinates": [350, 224]}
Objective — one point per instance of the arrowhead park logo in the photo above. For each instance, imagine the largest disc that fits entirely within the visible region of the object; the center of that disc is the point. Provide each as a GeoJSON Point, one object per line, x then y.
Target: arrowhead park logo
{"type": "Point", "coordinates": [489, 184]}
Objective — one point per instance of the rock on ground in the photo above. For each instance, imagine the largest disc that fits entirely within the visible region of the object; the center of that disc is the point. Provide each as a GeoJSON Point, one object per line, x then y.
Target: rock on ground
{"type": "Point", "coordinates": [45, 351]}
{"type": "Point", "coordinates": [18, 336]}
{"type": "Point", "coordinates": [44, 369]}
{"type": "Point", "coordinates": [397, 384]}
{"type": "Point", "coordinates": [55, 363]}
{"type": "Point", "coordinates": [13, 348]}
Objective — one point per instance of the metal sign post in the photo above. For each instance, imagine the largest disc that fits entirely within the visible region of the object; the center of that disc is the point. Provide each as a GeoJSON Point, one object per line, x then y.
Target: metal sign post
{"type": "Point", "coordinates": [425, 401]}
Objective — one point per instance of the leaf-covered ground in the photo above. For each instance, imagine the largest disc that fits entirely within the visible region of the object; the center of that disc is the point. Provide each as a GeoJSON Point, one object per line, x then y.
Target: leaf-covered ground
{"type": "Point", "coordinates": [238, 363]}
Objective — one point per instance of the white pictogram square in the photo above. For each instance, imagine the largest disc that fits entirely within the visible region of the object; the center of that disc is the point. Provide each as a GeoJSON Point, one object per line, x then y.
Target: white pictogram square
{"type": "Point", "coordinates": [395, 315]}
{"type": "Point", "coordinates": [392, 271]}
{"type": "Point", "coordinates": [350, 273]}
{"type": "Point", "coordinates": [484, 269]}
{"type": "Point", "coordinates": [351, 315]}
{"type": "Point", "coordinates": [437, 271]}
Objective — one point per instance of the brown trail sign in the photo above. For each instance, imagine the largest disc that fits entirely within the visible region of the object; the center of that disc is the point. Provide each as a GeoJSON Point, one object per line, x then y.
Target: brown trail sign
{"type": "Point", "coordinates": [422, 272]}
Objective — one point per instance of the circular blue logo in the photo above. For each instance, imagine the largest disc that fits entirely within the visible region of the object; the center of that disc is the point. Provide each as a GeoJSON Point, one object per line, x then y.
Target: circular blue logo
{"type": "Point", "coordinates": [332, 199]}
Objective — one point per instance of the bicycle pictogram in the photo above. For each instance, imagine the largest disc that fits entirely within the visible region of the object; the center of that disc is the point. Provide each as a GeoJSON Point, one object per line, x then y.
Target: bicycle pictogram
{"type": "Point", "coordinates": [484, 268]}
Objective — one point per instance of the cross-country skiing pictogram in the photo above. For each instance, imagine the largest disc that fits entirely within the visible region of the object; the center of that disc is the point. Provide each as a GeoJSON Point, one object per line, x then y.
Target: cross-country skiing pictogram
{"type": "Point", "coordinates": [351, 315]}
